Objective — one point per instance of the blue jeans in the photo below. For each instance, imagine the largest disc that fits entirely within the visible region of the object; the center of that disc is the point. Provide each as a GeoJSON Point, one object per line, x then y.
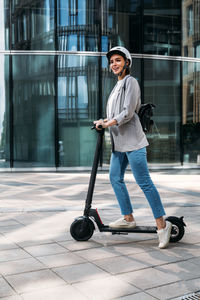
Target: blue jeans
{"type": "Point", "coordinates": [138, 163]}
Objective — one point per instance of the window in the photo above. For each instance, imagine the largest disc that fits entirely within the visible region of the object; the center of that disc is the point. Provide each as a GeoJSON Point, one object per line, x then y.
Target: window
{"type": "Point", "coordinates": [190, 96]}
{"type": "Point", "coordinates": [33, 111]}
{"type": "Point", "coordinates": [190, 21]}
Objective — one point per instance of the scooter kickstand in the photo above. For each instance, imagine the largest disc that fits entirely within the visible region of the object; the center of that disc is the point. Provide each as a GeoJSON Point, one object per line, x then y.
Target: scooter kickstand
{"type": "Point", "coordinates": [120, 233]}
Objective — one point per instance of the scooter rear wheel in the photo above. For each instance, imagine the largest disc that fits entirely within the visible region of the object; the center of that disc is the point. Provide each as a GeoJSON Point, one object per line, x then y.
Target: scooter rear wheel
{"type": "Point", "coordinates": [178, 229]}
{"type": "Point", "coordinates": [82, 229]}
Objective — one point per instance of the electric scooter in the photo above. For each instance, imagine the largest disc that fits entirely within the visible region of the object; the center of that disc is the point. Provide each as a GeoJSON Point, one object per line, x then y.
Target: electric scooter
{"type": "Point", "coordinates": [83, 227]}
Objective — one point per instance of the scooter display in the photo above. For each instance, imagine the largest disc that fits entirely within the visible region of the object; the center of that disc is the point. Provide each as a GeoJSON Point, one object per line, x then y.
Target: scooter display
{"type": "Point", "coordinates": [83, 227]}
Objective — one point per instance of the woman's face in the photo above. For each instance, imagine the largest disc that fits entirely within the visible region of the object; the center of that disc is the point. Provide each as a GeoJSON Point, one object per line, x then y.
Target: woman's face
{"type": "Point", "coordinates": [116, 63]}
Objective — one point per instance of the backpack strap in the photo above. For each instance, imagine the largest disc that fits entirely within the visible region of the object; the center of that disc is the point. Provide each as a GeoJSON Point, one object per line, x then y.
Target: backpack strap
{"type": "Point", "coordinates": [124, 86]}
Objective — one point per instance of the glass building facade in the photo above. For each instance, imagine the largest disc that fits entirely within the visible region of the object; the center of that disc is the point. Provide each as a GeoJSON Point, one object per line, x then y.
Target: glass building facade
{"type": "Point", "coordinates": [54, 78]}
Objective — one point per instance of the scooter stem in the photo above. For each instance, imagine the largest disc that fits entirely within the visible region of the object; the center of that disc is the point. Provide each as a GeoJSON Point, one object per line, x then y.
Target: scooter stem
{"type": "Point", "coordinates": [97, 154]}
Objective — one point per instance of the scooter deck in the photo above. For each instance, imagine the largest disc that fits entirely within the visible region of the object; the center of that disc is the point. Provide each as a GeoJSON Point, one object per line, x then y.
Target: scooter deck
{"type": "Point", "coordinates": [137, 229]}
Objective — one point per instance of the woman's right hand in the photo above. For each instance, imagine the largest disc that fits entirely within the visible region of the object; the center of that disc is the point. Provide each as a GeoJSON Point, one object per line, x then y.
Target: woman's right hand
{"type": "Point", "coordinates": [99, 122]}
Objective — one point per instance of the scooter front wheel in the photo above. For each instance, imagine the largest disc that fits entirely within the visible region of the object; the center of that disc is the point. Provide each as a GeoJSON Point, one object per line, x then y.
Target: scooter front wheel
{"type": "Point", "coordinates": [82, 229]}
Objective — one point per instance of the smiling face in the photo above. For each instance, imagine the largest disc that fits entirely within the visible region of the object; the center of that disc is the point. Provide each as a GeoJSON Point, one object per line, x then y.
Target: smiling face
{"type": "Point", "coordinates": [117, 63]}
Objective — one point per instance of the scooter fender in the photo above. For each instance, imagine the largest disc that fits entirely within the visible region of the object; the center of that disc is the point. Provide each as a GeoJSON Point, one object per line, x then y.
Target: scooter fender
{"type": "Point", "coordinates": [85, 220]}
{"type": "Point", "coordinates": [171, 218]}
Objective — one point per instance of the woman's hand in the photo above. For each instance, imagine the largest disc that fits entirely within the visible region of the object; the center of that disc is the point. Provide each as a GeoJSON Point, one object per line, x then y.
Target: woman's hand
{"type": "Point", "coordinates": [101, 122]}
{"type": "Point", "coordinates": [105, 123]}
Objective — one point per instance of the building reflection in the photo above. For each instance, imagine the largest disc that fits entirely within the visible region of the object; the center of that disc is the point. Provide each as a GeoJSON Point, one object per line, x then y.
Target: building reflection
{"type": "Point", "coordinates": [33, 25]}
{"type": "Point", "coordinates": [56, 94]}
{"type": "Point", "coordinates": [191, 81]}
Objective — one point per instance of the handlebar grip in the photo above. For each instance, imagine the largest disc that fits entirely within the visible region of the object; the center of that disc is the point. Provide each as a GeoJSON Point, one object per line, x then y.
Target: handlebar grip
{"type": "Point", "coordinates": [94, 127]}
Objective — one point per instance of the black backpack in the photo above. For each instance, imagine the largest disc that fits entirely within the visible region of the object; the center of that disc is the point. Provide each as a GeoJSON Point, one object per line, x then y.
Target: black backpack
{"type": "Point", "coordinates": [145, 114]}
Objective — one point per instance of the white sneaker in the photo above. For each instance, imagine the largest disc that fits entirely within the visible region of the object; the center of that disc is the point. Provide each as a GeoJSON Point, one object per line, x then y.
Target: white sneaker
{"type": "Point", "coordinates": [122, 223]}
{"type": "Point", "coordinates": [164, 235]}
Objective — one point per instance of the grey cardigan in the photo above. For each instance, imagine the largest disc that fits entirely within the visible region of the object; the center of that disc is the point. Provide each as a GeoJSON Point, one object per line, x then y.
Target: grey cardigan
{"type": "Point", "coordinates": [127, 135]}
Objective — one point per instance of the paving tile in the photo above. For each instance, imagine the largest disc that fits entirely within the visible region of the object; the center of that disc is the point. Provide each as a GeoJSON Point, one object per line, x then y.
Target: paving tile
{"type": "Point", "coordinates": [17, 297]}
{"type": "Point", "coordinates": [154, 258]}
{"type": "Point", "coordinates": [8, 222]}
{"type": "Point", "coordinates": [126, 249]}
{"type": "Point", "coordinates": [194, 284]}
{"type": "Point", "coordinates": [192, 238]}
{"type": "Point", "coordinates": [122, 264]}
{"type": "Point", "coordinates": [178, 251]}
{"type": "Point", "coordinates": [138, 296]}
{"type": "Point", "coordinates": [26, 218]}
{"type": "Point", "coordinates": [75, 246]}
{"type": "Point", "coordinates": [6, 244]}
{"type": "Point", "coordinates": [171, 290]}
{"type": "Point", "coordinates": [97, 253]}
{"type": "Point", "coordinates": [190, 250]}
{"type": "Point", "coordinates": [38, 280]}
{"type": "Point", "coordinates": [5, 289]}
{"type": "Point", "coordinates": [61, 292]}
{"type": "Point", "coordinates": [129, 238]}
{"type": "Point", "coordinates": [80, 272]}
{"type": "Point", "coordinates": [148, 278]}
{"type": "Point", "coordinates": [59, 260]}
{"type": "Point", "coordinates": [195, 261]}
{"type": "Point", "coordinates": [105, 288]}
{"type": "Point", "coordinates": [183, 270]}
{"type": "Point", "coordinates": [34, 241]}
{"type": "Point", "coordinates": [20, 266]}
{"type": "Point", "coordinates": [47, 249]}
{"type": "Point", "coordinates": [109, 240]}
{"type": "Point", "coordinates": [151, 244]}
{"type": "Point", "coordinates": [11, 228]}
{"type": "Point", "coordinates": [63, 237]}
{"type": "Point", "coordinates": [13, 254]}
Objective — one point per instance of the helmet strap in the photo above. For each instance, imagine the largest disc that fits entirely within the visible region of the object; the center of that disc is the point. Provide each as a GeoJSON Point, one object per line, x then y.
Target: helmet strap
{"type": "Point", "coordinates": [124, 67]}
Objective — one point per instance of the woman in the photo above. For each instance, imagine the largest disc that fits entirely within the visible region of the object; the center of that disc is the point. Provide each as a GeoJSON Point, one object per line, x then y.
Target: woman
{"type": "Point", "coordinates": [129, 145]}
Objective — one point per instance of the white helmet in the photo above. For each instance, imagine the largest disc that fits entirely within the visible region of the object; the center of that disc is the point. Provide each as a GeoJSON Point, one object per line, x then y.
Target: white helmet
{"type": "Point", "coordinates": [121, 51]}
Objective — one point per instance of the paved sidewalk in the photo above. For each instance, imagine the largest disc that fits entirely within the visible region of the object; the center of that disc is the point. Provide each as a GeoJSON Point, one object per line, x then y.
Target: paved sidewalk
{"type": "Point", "coordinates": [40, 260]}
